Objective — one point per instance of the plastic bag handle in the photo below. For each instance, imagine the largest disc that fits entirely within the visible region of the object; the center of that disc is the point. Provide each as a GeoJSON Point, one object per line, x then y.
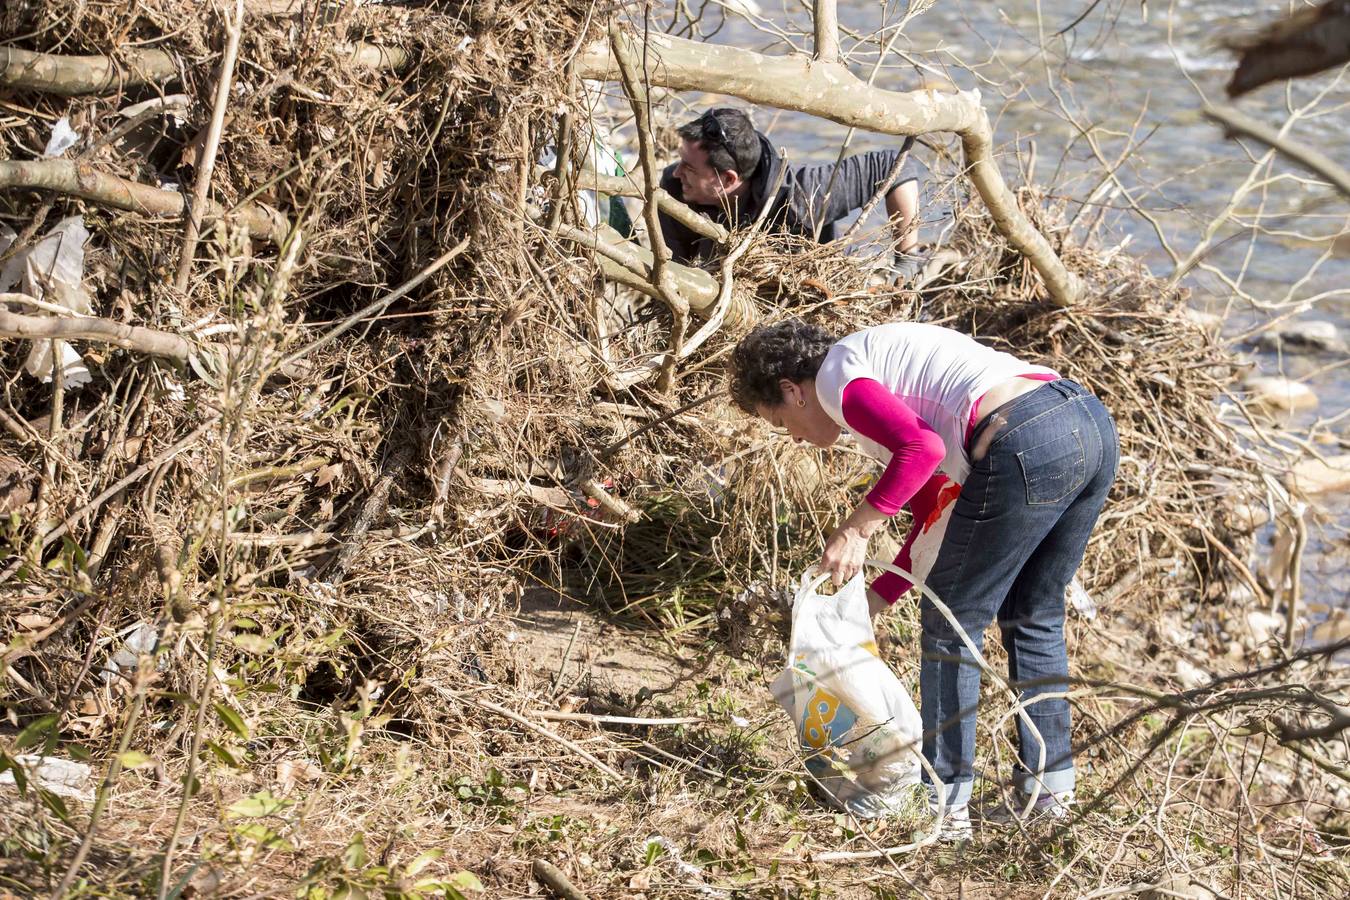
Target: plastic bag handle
{"type": "Point", "coordinates": [816, 582]}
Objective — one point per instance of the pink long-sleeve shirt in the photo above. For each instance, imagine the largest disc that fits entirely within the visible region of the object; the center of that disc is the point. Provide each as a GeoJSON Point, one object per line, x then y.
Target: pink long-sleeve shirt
{"type": "Point", "coordinates": [911, 477]}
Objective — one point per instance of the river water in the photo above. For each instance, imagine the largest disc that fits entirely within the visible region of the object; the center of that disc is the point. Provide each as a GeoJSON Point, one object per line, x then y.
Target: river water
{"type": "Point", "coordinates": [1128, 77]}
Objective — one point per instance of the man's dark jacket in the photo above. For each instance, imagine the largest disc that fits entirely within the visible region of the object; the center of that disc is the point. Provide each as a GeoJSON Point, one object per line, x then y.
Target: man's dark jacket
{"type": "Point", "coordinates": [800, 203]}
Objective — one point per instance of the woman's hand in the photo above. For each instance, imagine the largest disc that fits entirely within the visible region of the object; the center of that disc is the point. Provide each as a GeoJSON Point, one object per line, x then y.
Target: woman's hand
{"type": "Point", "coordinates": [845, 552]}
{"type": "Point", "coordinates": [846, 549]}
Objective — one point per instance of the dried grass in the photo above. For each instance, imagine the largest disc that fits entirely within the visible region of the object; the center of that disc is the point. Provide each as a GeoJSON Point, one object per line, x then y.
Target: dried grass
{"type": "Point", "coordinates": [461, 428]}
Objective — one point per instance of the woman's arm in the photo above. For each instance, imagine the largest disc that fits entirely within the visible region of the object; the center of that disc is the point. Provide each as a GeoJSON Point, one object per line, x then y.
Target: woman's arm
{"type": "Point", "coordinates": [916, 450]}
{"type": "Point", "coordinates": [888, 586]}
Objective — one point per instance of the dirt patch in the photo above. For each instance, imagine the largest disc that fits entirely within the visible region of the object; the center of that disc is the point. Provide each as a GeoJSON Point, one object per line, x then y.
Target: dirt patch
{"type": "Point", "coordinates": [618, 663]}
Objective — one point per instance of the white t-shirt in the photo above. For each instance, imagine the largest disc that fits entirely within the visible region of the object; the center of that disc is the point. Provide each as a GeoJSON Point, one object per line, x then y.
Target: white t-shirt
{"type": "Point", "coordinates": [937, 372]}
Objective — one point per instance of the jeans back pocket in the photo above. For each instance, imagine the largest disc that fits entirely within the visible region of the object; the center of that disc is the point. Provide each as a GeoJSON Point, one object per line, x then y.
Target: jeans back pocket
{"type": "Point", "coordinates": [1053, 470]}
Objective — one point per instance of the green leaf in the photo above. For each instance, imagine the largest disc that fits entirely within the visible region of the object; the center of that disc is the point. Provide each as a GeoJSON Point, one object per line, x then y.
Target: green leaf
{"type": "Point", "coordinates": [232, 720]}
{"type": "Point", "coordinates": [251, 643]}
{"type": "Point", "coordinates": [134, 759]}
{"type": "Point", "coordinates": [38, 731]}
{"type": "Point", "coordinates": [20, 776]}
{"type": "Point", "coordinates": [223, 754]}
{"type": "Point", "coordinates": [76, 553]}
{"type": "Point", "coordinates": [422, 860]}
{"type": "Point", "coordinates": [262, 835]}
{"type": "Point", "coordinates": [56, 805]}
{"type": "Point", "coordinates": [257, 805]}
{"type": "Point", "coordinates": [354, 857]}
{"type": "Point", "coordinates": [465, 881]}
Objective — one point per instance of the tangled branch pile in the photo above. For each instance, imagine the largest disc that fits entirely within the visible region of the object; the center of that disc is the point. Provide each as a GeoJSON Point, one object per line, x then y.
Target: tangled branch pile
{"type": "Point", "coordinates": [300, 487]}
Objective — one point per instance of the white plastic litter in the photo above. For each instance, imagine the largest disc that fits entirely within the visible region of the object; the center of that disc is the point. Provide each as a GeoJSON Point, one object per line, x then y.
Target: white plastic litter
{"type": "Point", "coordinates": [63, 138]}
{"type": "Point", "coordinates": [853, 717]}
{"type": "Point", "coordinates": [139, 638]}
{"type": "Point", "coordinates": [602, 158]}
{"type": "Point", "coordinates": [1081, 600]}
{"type": "Point", "coordinates": [683, 866]}
{"type": "Point", "coordinates": [60, 776]}
{"type": "Point", "coordinates": [52, 270]}
{"type": "Point", "coordinates": [173, 104]}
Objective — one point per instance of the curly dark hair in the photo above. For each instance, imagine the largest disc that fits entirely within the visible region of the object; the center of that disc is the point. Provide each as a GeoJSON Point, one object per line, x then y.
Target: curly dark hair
{"type": "Point", "coordinates": [728, 137]}
{"type": "Point", "coordinates": [791, 349]}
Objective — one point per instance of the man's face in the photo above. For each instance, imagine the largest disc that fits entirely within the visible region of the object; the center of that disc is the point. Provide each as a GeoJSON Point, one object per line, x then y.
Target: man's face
{"type": "Point", "coordinates": [702, 184]}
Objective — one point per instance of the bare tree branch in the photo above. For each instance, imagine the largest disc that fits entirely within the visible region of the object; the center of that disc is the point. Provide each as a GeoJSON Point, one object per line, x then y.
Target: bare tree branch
{"type": "Point", "coordinates": [827, 31]}
{"type": "Point", "coordinates": [1315, 161]}
{"type": "Point", "coordinates": [624, 186]}
{"type": "Point", "coordinates": [93, 328]}
{"type": "Point", "coordinates": [72, 76]}
{"type": "Point", "coordinates": [832, 92]}
{"type": "Point", "coordinates": [206, 162]}
{"type": "Point", "coordinates": [630, 264]}
{"type": "Point", "coordinates": [634, 84]}
{"type": "Point", "coordinates": [79, 180]}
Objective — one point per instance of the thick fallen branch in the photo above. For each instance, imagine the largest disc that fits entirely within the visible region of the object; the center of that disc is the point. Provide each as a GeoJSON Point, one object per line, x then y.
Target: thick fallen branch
{"type": "Point", "coordinates": [93, 328]}
{"type": "Point", "coordinates": [616, 507]}
{"type": "Point", "coordinates": [79, 180]}
{"type": "Point", "coordinates": [830, 91]}
{"type": "Point", "coordinates": [151, 341]}
{"type": "Point", "coordinates": [619, 257]}
{"type": "Point", "coordinates": [72, 76]}
{"type": "Point", "coordinates": [1240, 124]}
{"type": "Point", "coordinates": [551, 877]}
{"type": "Point", "coordinates": [375, 56]}
{"type": "Point", "coordinates": [624, 186]}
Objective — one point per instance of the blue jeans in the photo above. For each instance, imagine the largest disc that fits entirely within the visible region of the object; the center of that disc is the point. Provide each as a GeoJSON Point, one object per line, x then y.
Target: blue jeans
{"type": "Point", "coordinates": [1015, 539]}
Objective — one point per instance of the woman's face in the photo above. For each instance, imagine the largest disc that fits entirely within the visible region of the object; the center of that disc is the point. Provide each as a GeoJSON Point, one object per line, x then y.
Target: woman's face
{"type": "Point", "coordinates": [801, 415]}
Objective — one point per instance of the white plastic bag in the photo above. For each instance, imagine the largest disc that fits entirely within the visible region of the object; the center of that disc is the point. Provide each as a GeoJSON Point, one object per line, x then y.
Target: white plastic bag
{"type": "Point", "coordinates": [853, 717]}
{"type": "Point", "coordinates": [53, 270]}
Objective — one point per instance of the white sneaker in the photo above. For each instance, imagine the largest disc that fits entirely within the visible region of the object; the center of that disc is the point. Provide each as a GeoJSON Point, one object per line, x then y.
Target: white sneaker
{"type": "Point", "coordinates": [1047, 808]}
{"type": "Point", "coordinates": [952, 826]}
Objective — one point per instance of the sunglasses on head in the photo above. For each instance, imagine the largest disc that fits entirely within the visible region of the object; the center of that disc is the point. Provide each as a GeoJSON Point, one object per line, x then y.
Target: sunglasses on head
{"type": "Point", "coordinates": [713, 129]}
